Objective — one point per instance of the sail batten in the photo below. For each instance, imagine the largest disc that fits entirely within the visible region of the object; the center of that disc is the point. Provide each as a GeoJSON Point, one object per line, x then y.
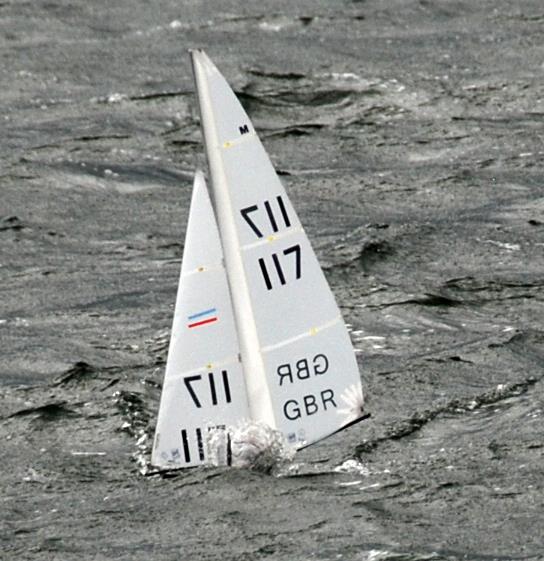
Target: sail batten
{"type": "Point", "coordinates": [311, 331]}
{"type": "Point", "coordinates": [219, 363]}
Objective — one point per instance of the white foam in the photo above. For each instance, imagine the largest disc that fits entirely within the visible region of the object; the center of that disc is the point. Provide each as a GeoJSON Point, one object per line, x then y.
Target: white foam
{"type": "Point", "coordinates": [352, 466]}
{"type": "Point", "coordinates": [248, 445]}
{"type": "Point", "coordinates": [116, 98]}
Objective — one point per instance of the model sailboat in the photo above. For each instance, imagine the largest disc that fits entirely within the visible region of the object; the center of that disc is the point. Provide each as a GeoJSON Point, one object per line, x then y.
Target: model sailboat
{"type": "Point", "coordinates": [257, 335]}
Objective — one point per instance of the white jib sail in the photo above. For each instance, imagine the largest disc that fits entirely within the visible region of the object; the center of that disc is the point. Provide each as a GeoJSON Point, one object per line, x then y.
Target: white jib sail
{"type": "Point", "coordinates": [204, 382]}
{"type": "Point", "coordinates": [301, 373]}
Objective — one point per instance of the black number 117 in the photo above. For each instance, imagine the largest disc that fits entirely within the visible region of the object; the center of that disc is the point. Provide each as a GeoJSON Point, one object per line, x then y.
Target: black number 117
{"type": "Point", "coordinates": [272, 219]}
{"type": "Point", "coordinates": [295, 250]}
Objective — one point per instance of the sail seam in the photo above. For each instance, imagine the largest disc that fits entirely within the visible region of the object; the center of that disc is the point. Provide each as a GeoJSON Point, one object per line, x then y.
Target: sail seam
{"type": "Point", "coordinates": [269, 239]}
{"type": "Point", "coordinates": [309, 333]}
{"type": "Point", "coordinates": [206, 367]}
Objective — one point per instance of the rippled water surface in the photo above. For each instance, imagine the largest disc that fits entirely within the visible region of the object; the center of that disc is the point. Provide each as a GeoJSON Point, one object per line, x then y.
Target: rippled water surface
{"type": "Point", "coordinates": [409, 137]}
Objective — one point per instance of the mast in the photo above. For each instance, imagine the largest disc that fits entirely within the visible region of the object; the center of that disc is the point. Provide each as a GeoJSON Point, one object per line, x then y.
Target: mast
{"type": "Point", "coordinates": [260, 403]}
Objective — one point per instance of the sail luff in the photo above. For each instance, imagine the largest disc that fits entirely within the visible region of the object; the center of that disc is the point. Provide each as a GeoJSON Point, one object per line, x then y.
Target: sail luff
{"type": "Point", "coordinates": [258, 393]}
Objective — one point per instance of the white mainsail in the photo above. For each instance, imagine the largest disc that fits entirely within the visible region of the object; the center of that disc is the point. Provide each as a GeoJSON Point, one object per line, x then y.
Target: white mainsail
{"type": "Point", "coordinates": [204, 382]}
{"type": "Point", "coordinates": [299, 366]}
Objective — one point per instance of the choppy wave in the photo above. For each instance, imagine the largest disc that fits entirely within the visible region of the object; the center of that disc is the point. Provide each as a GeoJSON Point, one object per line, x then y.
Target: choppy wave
{"type": "Point", "coordinates": [409, 143]}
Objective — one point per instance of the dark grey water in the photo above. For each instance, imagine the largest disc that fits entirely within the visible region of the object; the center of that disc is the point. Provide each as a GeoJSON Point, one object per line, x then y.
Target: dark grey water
{"type": "Point", "coordinates": [409, 135]}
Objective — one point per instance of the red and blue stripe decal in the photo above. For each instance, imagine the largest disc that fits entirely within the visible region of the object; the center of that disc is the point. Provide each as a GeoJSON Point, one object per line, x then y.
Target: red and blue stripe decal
{"type": "Point", "coordinates": [202, 318]}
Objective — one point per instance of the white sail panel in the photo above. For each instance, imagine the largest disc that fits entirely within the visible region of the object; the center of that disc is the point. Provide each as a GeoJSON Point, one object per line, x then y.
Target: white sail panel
{"type": "Point", "coordinates": [193, 403]}
{"type": "Point", "coordinates": [263, 208]}
{"type": "Point", "coordinates": [289, 292]}
{"type": "Point", "coordinates": [202, 248]}
{"type": "Point", "coordinates": [203, 328]}
{"type": "Point", "coordinates": [204, 383]}
{"type": "Point", "coordinates": [313, 384]}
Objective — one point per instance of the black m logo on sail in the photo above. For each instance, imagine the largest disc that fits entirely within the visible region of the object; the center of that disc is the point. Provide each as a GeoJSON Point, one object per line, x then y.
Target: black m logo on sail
{"type": "Point", "coordinates": [243, 129]}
